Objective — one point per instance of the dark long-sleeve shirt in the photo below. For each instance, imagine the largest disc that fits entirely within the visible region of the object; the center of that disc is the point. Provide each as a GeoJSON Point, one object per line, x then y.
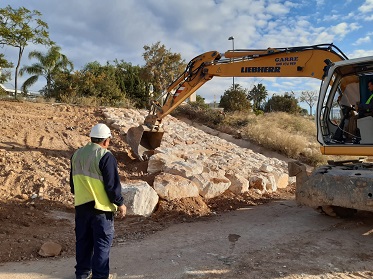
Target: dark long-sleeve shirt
{"type": "Point", "coordinates": [109, 169]}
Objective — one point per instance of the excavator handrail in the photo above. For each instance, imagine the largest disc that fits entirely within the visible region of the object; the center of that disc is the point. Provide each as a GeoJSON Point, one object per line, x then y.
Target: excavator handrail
{"type": "Point", "coordinates": [240, 53]}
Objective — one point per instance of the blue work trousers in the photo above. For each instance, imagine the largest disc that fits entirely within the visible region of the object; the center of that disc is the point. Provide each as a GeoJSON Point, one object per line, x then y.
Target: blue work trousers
{"type": "Point", "coordinates": [94, 232]}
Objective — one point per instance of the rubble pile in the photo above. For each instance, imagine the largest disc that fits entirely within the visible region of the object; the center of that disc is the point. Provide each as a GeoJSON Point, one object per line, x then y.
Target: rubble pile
{"type": "Point", "coordinates": [192, 163]}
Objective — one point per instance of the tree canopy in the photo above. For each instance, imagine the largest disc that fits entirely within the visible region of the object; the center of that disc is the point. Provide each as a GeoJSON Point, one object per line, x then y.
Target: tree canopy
{"type": "Point", "coordinates": [48, 65]}
{"type": "Point", "coordinates": [162, 66]}
{"type": "Point", "coordinates": [310, 98]}
{"type": "Point", "coordinates": [129, 80]}
{"type": "Point", "coordinates": [96, 82]}
{"type": "Point", "coordinates": [18, 28]}
{"type": "Point", "coordinates": [4, 75]}
{"type": "Point", "coordinates": [286, 103]}
{"type": "Point", "coordinates": [257, 95]}
{"type": "Point", "coordinates": [235, 99]}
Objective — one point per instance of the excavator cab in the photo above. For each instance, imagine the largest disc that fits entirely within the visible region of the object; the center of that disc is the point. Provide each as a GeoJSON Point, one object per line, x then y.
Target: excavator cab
{"type": "Point", "coordinates": [342, 130]}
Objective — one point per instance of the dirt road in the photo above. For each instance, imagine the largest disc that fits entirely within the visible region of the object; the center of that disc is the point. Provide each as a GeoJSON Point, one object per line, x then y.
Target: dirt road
{"type": "Point", "coordinates": [269, 237]}
{"type": "Point", "coordinates": [275, 240]}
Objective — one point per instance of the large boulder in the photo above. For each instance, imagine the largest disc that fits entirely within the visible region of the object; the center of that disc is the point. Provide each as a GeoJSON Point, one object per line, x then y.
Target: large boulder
{"type": "Point", "coordinates": [239, 184]}
{"type": "Point", "coordinates": [158, 162]}
{"type": "Point", "coordinates": [271, 184]}
{"type": "Point", "coordinates": [139, 197]}
{"type": "Point", "coordinates": [282, 179]}
{"type": "Point", "coordinates": [185, 169]}
{"type": "Point", "coordinates": [170, 187]}
{"type": "Point", "coordinates": [258, 182]}
{"type": "Point", "coordinates": [211, 184]}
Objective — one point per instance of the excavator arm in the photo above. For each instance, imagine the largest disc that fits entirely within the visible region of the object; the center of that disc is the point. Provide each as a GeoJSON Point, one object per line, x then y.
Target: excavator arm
{"type": "Point", "coordinates": [307, 61]}
{"type": "Point", "coordinates": [304, 61]}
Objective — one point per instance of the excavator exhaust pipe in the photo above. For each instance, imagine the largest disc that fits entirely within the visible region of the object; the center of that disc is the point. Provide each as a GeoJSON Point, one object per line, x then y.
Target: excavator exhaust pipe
{"type": "Point", "coordinates": [143, 141]}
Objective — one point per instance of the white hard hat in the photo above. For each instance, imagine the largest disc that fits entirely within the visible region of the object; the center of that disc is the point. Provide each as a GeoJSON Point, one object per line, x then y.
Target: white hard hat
{"type": "Point", "coordinates": [100, 131]}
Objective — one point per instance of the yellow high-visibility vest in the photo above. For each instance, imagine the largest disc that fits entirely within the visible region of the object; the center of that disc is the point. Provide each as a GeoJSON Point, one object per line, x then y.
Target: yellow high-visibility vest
{"type": "Point", "coordinates": [87, 177]}
{"type": "Point", "coordinates": [368, 101]}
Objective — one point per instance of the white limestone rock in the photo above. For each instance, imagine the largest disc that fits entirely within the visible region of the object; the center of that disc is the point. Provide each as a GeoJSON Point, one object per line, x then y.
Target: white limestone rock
{"type": "Point", "coordinates": [139, 197]}
{"type": "Point", "coordinates": [282, 179]}
{"type": "Point", "coordinates": [239, 184]}
{"type": "Point", "coordinates": [266, 168]}
{"type": "Point", "coordinates": [158, 162]}
{"type": "Point", "coordinates": [185, 169]}
{"type": "Point", "coordinates": [258, 182]}
{"type": "Point", "coordinates": [271, 185]}
{"type": "Point", "coordinates": [211, 184]}
{"type": "Point", "coordinates": [171, 187]}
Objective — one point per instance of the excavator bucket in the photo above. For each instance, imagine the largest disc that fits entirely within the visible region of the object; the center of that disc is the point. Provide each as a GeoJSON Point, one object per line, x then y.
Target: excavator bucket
{"type": "Point", "coordinates": [143, 141]}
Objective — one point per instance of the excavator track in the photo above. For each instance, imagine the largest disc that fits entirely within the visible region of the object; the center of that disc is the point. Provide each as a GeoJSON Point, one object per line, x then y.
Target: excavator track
{"type": "Point", "coordinates": [336, 190]}
{"type": "Point", "coordinates": [337, 211]}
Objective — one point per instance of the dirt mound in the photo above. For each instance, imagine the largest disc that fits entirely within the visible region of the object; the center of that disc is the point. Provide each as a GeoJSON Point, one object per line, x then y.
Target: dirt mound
{"type": "Point", "coordinates": [36, 143]}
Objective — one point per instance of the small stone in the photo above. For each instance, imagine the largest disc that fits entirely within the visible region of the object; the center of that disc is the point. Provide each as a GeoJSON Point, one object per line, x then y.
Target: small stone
{"type": "Point", "coordinates": [50, 249]}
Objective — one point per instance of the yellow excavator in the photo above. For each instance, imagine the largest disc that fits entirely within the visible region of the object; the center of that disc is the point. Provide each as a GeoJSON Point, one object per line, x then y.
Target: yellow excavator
{"type": "Point", "coordinates": [340, 188]}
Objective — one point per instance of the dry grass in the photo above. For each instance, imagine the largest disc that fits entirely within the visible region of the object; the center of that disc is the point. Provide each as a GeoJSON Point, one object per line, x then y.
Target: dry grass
{"type": "Point", "coordinates": [288, 134]}
{"type": "Point", "coordinates": [291, 135]}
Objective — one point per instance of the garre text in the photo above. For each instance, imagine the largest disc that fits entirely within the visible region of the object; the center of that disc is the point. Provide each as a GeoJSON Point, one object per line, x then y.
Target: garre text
{"type": "Point", "coordinates": [260, 69]}
{"type": "Point", "coordinates": [287, 59]}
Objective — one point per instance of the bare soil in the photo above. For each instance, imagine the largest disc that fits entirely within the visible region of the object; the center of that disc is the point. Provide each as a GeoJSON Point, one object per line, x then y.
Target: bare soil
{"type": "Point", "coordinates": [36, 143]}
{"type": "Point", "coordinates": [277, 239]}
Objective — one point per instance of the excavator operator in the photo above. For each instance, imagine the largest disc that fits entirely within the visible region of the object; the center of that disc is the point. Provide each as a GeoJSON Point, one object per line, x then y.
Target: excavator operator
{"type": "Point", "coordinates": [363, 110]}
{"type": "Point", "coordinates": [366, 109]}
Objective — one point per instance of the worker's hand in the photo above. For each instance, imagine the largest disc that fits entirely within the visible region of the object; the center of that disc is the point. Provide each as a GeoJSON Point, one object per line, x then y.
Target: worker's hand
{"type": "Point", "coordinates": [122, 210]}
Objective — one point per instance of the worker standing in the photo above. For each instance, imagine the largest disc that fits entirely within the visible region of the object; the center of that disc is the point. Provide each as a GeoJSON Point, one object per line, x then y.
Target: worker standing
{"type": "Point", "coordinates": [95, 183]}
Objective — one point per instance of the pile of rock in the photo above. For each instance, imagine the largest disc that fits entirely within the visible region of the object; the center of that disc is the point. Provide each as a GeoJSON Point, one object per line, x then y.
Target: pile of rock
{"type": "Point", "coordinates": [192, 163]}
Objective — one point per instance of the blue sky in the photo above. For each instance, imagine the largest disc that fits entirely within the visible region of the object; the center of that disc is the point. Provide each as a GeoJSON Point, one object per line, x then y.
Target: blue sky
{"type": "Point", "coordinates": [96, 30]}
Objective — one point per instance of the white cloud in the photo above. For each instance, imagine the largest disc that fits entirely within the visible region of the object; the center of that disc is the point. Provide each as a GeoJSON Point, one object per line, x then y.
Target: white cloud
{"type": "Point", "coordinates": [363, 40]}
{"type": "Point", "coordinates": [93, 30]}
{"type": "Point", "coordinates": [368, 18]}
{"type": "Point", "coordinates": [277, 9]}
{"type": "Point", "coordinates": [366, 7]}
{"type": "Point", "coordinates": [342, 29]}
{"type": "Point", "coordinates": [360, 53]}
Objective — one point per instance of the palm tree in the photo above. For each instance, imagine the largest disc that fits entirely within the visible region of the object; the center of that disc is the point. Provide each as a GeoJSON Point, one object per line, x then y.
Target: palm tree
{"type": "Point", "coordinates": [48, 64]}
{"type": "Point", "coordinates": [257, 95]}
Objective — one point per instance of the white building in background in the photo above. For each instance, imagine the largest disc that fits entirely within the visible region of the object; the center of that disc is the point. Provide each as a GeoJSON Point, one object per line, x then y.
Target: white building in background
{"type": "Point", "coordinates": [11, 92]}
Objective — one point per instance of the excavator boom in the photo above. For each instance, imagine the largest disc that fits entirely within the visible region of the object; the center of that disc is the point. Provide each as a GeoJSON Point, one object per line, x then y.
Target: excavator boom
{"type": "Point", "coordinates": [303, 61]}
